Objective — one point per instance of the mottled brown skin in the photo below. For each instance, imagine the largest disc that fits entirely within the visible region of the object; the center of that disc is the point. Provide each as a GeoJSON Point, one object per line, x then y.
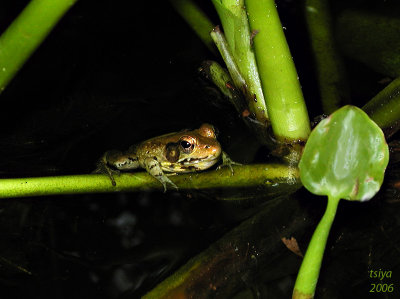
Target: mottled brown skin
{"type": "Point", "coordinates": [184, 151]}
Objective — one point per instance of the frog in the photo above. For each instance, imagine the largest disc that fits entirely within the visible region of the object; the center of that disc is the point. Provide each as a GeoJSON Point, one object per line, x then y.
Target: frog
{"type": "Point", "coordinates": [179, 152]}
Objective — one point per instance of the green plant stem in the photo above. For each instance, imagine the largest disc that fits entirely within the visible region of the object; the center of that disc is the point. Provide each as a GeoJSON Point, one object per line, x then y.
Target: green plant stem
{"type": "Point", "coordinates": [26, 33]}
{"type": "Point", "coordinates": [196, 19]}
{"type": "Point", "coordinates": [223, 47]}
{"type": "Point", "coordinates": [221, 78]}
{"type": "Point", "coordinates": [384, 108]}
{"type": "Point", "coordinates": [234, 21]}
{"type": "Point", "coordinates": [271, 176]}
{"type": "Point", "coordinates": [279, 80]}
{"type": "Point", "coordinates": [310, 267]}
{"type": "Point", "coordinates": [331, 76]}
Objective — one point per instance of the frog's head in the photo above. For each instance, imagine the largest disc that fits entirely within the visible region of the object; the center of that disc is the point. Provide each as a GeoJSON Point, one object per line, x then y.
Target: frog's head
{"type": "Point", "coordinates": [195, 150]}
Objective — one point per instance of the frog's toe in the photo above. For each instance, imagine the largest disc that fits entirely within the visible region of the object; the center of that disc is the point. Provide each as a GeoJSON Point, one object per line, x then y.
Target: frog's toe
{"type": "Point", "coordinates": [165, 187]}
{"type": "Point", "coordinates": [228, 162]}
{"type": "Point", "coordinates": [111, 172]}
{"type": "Point", "coordinates": [171, 174]}
{"type": "Point", "coordinates": [164, 180]}
{"type": "Point", "coordinates": [104, 169]}
{"type": "Point", "coordinates": [233, 163]}
{"type": "Point", "coordinates": [172, 184]}
{"type": "Point", "coordinates": [227, 165]}
{"type": "Point", "coordinates": [113, 180]}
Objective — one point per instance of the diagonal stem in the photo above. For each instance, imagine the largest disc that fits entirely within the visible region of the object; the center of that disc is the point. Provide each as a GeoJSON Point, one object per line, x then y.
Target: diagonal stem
{"type": "Point", "coordinates": [26, 33]}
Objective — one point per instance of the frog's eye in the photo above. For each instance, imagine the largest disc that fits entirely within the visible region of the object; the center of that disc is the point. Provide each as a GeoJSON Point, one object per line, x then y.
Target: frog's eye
{"type": "Point", "coordinates": [187, 144]}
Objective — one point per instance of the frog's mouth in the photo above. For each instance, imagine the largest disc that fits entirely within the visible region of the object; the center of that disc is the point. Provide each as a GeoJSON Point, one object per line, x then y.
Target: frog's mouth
{"type": "Point", "coordinates": [194, 164]}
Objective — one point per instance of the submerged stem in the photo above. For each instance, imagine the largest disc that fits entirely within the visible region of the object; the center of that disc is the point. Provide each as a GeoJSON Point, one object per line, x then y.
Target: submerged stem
{"type": "Point", "coordinates": [331, 76]}
{"type": "Point", "coordinates": [384, 108]}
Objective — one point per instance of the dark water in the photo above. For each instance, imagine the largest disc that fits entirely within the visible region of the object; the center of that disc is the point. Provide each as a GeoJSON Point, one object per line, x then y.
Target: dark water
{"type": "Point", "coordinates": [113, 73]}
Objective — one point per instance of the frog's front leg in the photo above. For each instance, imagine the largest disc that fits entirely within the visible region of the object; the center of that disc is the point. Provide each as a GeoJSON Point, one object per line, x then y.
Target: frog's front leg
{"type": "Point", "coordinates": [113, 161]}
{"type": "Point", "coordinates": [227, 162]}
{"type": "Point", "coordinates": [154, 168]}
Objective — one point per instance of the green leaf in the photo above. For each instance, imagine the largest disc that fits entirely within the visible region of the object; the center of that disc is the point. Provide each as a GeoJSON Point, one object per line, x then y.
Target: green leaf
{"type": "Point", "coordinates": [345, 156]}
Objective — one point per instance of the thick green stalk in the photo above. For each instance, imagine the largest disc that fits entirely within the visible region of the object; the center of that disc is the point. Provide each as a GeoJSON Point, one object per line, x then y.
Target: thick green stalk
{"type": "Point", "coordinates": [279, 80]}
{"type": "Point", "coordinates": [26, 33]}
{"type": "Point", "coordinates": [332, 81]}
{"type": "Point", "coordinates": [384, 108]}
{"type": "Point", "coordinates": [309, 271]}
{"type": "Point", "coordinates": [196, 19]}
{"type": "Point", "coordinates": [271, 176]}
{"type": "Point", "coordinates": [234, 21]}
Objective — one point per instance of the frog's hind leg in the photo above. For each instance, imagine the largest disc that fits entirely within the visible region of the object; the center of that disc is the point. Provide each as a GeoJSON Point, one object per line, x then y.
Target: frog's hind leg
{"type": "Point", "coordinates": [102, 167]}
{"type": "Point", "coordinates": [113, 161]}
{"type": "Point", "coordinates": [154, 168]}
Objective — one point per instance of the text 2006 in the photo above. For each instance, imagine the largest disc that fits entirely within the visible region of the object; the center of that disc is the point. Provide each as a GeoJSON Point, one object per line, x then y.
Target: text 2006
{"type": "Point", "coordinates": [381, 288]}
